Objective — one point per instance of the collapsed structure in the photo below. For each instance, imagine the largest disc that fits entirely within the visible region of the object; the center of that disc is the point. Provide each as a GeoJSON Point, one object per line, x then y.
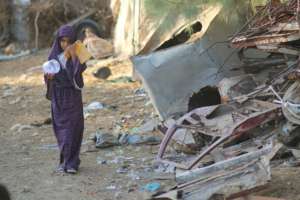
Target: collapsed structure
{"type": "Point", "coordinates": [246, 109]}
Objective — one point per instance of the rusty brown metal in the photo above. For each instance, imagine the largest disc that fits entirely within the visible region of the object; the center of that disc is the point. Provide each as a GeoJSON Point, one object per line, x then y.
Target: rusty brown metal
{"type": "Point", "coordinates": [241, 42]}
{"type": "Point", "coordinates": [275, 23]}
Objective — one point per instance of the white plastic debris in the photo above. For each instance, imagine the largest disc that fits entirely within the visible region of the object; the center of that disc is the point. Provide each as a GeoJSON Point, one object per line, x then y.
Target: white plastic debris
{"type": "Point", "coordinates": [94, 106]}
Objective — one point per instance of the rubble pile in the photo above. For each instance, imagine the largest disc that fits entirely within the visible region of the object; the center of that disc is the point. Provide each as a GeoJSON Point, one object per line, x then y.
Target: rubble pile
{"type": "Point", "coordinates": [235, 143]}
{"type": "Point", "coordinates": [273, 29]}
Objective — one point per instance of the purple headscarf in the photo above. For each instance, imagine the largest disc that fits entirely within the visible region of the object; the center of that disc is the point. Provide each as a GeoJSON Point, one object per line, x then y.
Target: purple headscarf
{"type": "Point", "coordinates": [64, 31]}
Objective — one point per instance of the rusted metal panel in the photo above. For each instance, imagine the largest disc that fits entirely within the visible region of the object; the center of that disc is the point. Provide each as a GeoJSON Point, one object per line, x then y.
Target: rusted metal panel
{"type": "Point", "coordinates": [242, 42]}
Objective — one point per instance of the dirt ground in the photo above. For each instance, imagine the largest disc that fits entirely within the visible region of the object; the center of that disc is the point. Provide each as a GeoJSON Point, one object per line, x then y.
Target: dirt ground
{"type": "Point", "coordinates": [28, 155]}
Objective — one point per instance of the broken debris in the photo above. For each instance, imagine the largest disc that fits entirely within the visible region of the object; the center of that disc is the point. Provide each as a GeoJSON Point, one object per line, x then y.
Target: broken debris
{"type": "Point", "coordinates": [105, 140]}
{"type": "Point", "coordinates": [237, 138]}
{"type": "Point", "coordinates": [152, 187]}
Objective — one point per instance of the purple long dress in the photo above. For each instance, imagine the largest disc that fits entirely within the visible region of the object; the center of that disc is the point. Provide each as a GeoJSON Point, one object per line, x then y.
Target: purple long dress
{"type": "Point", "coordinates": [66, 104]}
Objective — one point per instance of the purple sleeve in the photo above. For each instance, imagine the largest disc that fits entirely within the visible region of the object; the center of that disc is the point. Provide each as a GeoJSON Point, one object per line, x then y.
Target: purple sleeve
{"type": "Point", "coordinates": [79, 68]}
{"type": "Point", "coordinates": [75, 70]}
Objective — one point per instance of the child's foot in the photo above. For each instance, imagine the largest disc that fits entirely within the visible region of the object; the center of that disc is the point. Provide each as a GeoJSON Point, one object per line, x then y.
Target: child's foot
{"type": "Point", "coordinates": [60, 169]}
{"type": "Point", "coordinates": [71, 171]}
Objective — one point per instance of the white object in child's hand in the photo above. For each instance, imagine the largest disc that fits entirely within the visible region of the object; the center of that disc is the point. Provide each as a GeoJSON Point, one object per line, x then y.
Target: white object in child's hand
{"type": "Point", "coordinates": [51, 67]}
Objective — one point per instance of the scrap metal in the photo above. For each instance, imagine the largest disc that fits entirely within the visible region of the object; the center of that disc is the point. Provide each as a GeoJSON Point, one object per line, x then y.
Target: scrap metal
{"type": "Point", "coordinates": [238, 131]}
{"type": "Point", "coordinates": [275, 23]}
{"type": "Point", "coordinates": [233, 177]}
{"type": "Point", "coordinates": [227, 126]}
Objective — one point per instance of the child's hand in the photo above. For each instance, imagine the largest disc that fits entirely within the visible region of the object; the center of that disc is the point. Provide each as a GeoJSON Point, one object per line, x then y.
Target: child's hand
{"type": "Point", "coordinates": [70, 51]}
{"type": "Point", "coordinates": [50, 76]}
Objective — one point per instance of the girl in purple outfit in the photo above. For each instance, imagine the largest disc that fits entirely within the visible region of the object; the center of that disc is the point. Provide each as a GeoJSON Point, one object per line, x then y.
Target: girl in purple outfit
{"type": "Point", "coordinates": [66, 99]}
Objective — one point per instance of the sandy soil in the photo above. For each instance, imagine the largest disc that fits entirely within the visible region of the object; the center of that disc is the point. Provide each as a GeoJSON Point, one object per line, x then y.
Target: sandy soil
{"type": "Point", "coordinates": [28, 158]}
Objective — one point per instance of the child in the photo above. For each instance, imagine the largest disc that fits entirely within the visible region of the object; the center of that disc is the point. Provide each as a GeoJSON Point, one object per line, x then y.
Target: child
{"type": "Point", "coordinates": [4, 194]}
{"type": "Point", "coordinates": [66, 99]}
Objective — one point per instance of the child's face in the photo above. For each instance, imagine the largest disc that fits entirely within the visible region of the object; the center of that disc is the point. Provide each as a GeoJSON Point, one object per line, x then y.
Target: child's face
{"type": "Point", "coordinates": [65, 42]}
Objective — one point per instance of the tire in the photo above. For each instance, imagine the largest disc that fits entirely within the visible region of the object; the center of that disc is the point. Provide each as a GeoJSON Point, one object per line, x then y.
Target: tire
{"type": "Point", "coordinates": [4, 35]}
{"type": "Point", "coordinates": [102, 73]}
{"type": "Point", "coordinates": [88, 23]}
